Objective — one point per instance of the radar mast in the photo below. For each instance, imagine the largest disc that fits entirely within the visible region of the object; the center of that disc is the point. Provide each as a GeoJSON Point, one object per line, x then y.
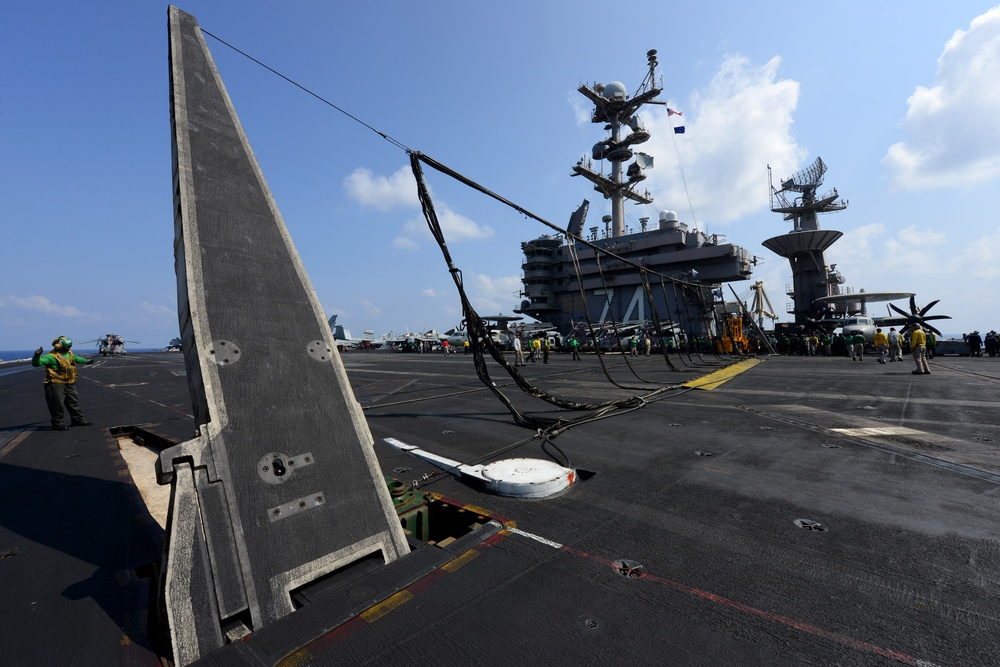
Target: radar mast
{"type": "Point", "coordinates": [804, 246]}
{"type": "Point", "coordinates": [614, 108]}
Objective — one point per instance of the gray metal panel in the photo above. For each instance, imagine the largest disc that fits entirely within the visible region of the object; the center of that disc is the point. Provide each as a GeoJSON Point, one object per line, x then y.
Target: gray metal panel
{"type": "Point", "coordinates": [278, 420]}
{"type": "Point", "coordinates": [793, 243]}
{"type": "Point", "coordinates": [228, 576]}
{"type": "Point", "coordinates": [188, 589]}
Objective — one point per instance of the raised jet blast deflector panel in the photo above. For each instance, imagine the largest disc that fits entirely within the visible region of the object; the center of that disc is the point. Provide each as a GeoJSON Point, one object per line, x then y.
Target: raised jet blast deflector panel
{"type": "Point", "coordinates": [280, 486]}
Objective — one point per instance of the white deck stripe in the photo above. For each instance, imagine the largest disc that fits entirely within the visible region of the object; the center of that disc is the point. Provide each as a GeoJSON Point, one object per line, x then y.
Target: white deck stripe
{"type": "Point", "coordinates": [531, 536]}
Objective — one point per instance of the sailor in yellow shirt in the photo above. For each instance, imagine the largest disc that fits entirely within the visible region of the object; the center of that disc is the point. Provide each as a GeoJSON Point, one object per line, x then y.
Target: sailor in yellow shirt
{"type": "Point", "coordinates": [60, 382]}
{"type": "Point", "coordinates": [881, 342]}
{"type": "Point", "coordinates": [918, 343]}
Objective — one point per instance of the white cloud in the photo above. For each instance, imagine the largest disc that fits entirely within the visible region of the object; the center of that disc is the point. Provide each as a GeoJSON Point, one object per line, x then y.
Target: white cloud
{"type": "Point", "coordinates": [383, 193]}
{"type": "Point", "coordinates": [343, 314]}
{"type": "Point", "coordinates": [855, 246]}
{"type": "Point", "coordinates": [431, 292]}
{"type": "Point", "coordinates": [42, 304]}
{"type": "Point", "coordinates": [877, 258]}
{"type": "Point", "coordinates": [980, 259]}
{"type": "Point", "coordinates": [371, 310]}
{"type": "Point", "coordinates": [737, 125]}
{"type": "Point", "coordinates": [455, 226]}
{"type": "Point", "coordinates": [388, 193]}
{"type": "Point", "coordinates": [492, 296]}
{"type": "Point", "coordinates": [160, 311]}
{"type": "Point", "coordinates": [910, 251]}
{"type": "Point", "coordinates": [953, 138]}
{"type": "Point", "coordinates": [405, 243]}
{"type": "Point", "coordinates": [582, 111]}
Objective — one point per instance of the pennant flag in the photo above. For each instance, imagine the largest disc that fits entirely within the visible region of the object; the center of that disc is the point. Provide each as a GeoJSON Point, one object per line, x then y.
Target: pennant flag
{"type": "Point", "coordinates": [679, 129]}
{"type": "Point", "coordinates": [671, 112]}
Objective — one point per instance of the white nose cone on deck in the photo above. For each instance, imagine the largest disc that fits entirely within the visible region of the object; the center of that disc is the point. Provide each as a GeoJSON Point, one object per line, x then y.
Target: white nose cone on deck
{"type": "Point", "coordinates": [514, 478]}
{"type": "Point", "coordinates": [527, 478]}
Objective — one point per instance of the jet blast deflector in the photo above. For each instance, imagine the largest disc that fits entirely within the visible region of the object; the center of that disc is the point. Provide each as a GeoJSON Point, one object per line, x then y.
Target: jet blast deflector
{"type": "Point", "coordinates": [281, 485]}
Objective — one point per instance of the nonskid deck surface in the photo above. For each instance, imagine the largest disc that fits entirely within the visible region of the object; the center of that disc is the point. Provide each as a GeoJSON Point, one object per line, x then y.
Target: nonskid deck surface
{"type": "Point", "coordinates": [806, 510]}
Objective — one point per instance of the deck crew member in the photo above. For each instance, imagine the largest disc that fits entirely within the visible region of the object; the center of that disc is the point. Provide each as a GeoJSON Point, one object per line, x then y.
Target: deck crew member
{"type": "Point", "coordinates": [857, 346]}
{"type": "Point", "coordinates": [895, 345]}
{"type": "Point", "coordinates": [918, 343]}
{"type": "Point", "coordinates": [881, 342]}
{"type": "Point", "coordinates": [574, 347]}
{"type": "Point", "coordinates": [975, 342]}
{"type": "Point", "coordinates": [60, 382]}
{"type": "Point", "coordinates": [931, 343]}
{"type": "Point", "coordinates": [813, 344]}
{"type": "Point", "coordinates": [518, 352]}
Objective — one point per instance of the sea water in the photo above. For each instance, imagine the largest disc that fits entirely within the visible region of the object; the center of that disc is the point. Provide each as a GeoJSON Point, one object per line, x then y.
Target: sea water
{"type": "Point", "coordinates": [18, 355]}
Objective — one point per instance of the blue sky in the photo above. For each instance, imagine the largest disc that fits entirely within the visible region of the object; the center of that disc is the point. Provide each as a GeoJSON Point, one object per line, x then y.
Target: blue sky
{"type": "Point", "coordinates": [900, 99]}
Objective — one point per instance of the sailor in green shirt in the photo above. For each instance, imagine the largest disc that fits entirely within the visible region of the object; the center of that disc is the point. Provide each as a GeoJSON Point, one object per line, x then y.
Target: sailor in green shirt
{"type": "Point", "coordinates": [60, 382]}
{"type": "Point", "coordinates": [857, 342]}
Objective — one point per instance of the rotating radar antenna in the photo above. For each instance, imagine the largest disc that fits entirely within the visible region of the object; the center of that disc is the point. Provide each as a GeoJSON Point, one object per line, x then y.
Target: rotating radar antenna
{"type": "Point", "coordinates": [807, 180]}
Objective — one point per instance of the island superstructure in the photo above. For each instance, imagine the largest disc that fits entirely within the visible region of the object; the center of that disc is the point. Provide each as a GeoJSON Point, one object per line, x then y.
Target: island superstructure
{"type": "Point", "coordinates": [685, 266]}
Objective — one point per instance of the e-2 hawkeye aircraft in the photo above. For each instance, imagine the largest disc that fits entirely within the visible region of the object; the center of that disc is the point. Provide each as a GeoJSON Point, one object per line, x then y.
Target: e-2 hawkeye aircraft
{"type": "Point", "coordinates": [859, 321]}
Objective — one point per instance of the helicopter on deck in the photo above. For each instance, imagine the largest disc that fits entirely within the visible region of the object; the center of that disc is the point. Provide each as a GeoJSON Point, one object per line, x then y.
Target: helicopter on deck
{"type": "Point", "coordinates": [111, 344]}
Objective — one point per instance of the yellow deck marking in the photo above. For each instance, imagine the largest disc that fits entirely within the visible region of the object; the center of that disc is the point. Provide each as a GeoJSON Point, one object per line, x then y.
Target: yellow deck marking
{"type": "Point", "coordinates": [451, 566]}
{"type": "Point", "coordinates": [298, 659]}
{"type": "Point", "coordinates": [14, 442]}
{"type": "Point", "coordinates": [476, 510]}
{"type": "Point", "coordinates": [383, 608]}
{"type": "Point", "coordinates": [713, 380]}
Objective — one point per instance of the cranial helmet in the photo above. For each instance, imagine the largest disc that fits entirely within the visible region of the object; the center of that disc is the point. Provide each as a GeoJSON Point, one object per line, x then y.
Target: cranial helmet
{"type": "Point", "coordinates": [66, 341]}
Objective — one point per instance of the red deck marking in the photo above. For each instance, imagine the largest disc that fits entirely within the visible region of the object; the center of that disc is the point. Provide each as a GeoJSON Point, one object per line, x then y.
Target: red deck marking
{"type": "Point", "coordinates": [774, 618]}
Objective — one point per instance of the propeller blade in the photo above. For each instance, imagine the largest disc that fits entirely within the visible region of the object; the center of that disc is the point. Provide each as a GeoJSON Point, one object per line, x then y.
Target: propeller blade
{"type": "Point", "coordinates": [928, 307]}
{"type": "Point", "coordinates": [927, 326]}
{"type": "Point", "coordinates": [899, 310]}
{"type": "Point", "coordinates": [937, 317]}
{"type": "Point", "coordinates": [913, 305]}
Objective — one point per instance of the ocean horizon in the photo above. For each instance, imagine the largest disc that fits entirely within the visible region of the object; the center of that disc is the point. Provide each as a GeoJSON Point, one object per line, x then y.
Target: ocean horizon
{"type": "Point", "coordinates": [19, 355]}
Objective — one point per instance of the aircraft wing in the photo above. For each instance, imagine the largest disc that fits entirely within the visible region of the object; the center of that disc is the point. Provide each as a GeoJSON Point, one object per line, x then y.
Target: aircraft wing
{"type": "Point", "coordinates": [863, 297]}
{"type": "Point", "coordinates": [890, 321]}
